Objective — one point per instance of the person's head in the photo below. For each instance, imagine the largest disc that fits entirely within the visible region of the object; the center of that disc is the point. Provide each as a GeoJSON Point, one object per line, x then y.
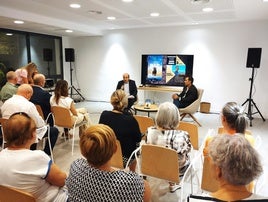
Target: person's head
{"type": "Point", "coordinates": [25, 90]}
{"type": "Point", "coordinates": [125, 77]}
{"type": "Point", "coordinates": [19, 129]}
{"type": "Point", "coordinates": [234, 118]}
{"type": "Point", "coordinates": [188, 81]}
{"type": "Point", "coordinates": [98, 144]}
{"type": "Point", "coordinates": [61, 89]}
{"type": "Point", "coordinates": [31, 69]}
{"type": "Point", "coordinates": [234, 159]}
{"type": "Point", "coordinates": [167, 116]}
{"type": "Point", "coordinates": [119, 100]}
{"type": "Point", "coordinates": [11, 77]}
{"type": "Point", "coordinates": [39, 80]}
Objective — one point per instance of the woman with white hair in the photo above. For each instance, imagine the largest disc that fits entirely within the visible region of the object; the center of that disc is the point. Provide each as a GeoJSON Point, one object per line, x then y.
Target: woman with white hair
{"type": "Point", "coordinates": [165, 133]}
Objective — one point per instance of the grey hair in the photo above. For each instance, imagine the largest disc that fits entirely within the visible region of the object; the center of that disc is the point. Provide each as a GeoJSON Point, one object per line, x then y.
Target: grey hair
{"type": "Point", "coordinates": [168, 116]}
{"type": "Point", "coordinates": [238, 160]}
{"type": "Point", "coordinates": [235, 117]}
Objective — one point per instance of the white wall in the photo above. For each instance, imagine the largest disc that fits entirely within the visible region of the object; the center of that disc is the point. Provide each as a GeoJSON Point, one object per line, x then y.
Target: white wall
{"type": "Point", "coordinates": [220, 54]}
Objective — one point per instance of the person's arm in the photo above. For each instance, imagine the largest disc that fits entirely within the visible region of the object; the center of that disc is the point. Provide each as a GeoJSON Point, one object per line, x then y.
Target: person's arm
{"type": "Point", "coordinates": [134, 89]}
{"type": "Point", "coordinates": [119, 85]}
{"type": "Point", "coordinates": [56, 176]}
{"type": "Point", "coordinates": [73, 109]}
{"type": "Point", "coordinates": [147, 192]}
{"type": "Point", "coordinates": [191, 95]}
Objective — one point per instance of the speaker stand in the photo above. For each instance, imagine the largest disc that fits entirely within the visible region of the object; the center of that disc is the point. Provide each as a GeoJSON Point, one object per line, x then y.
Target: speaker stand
{"type": "Point", "coordinates": [72, 87]}
{"type": "Point", "coordinates": [251, 102]}
{"type": "Point", "coordinates": [48, 69]}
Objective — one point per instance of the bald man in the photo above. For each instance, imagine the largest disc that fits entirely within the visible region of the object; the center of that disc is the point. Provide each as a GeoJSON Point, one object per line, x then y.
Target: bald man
{"type": "Point", "coordinates": [40, 96]}
{"type": "Point", "coordinates": [130, 88]}
{"type": "Point", "coordinates": [20, 103]}
{"type": "Point", "coordinates": [10, 88]}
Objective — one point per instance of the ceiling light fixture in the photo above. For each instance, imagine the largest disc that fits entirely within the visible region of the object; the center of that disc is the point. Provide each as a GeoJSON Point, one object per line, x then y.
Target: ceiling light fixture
{"type": "Point", "coordinates": [127, 1]}
{"type": "Point", "coordinates": [94, 12]}
{"type": "Point", "coordinates": [265, 0]}
{"type": "Point", "coordinates": [75, 5]}
{"type": "Point", "coordinates": [207, 9]}
{"type": "Point", "coordinates": [9, 34]}
{"type": "Point", "coordinates": [111, 18]}
{"type": "Point", "coordinates": [18, 22]}
{"type": "Point", "coordinates": [68, 31]}
{"type": "Point", "coordinates": [199, 1]}
{"type": "Point", "coordinates": [154, 14]}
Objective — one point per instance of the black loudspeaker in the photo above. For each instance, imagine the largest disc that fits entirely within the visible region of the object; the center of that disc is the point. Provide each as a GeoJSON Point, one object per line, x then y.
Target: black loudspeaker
{"type": "Point", "coordinates": [47, 54]}
{"type": "Point", "coordinates": [69, 54]}
{"type": "Point", "coordinates": [254, 57]}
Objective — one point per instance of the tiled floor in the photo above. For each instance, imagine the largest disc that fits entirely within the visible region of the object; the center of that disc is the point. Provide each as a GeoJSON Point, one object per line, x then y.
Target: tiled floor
{"type": "Point", "coordinates": [63, 157]}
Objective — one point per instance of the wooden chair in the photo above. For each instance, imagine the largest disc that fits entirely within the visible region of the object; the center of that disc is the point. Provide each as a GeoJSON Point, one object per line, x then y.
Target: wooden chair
{"type": "Point", "coordinates": [144, 123]}
{"type": "Point", "coordinates": [192, 108]}
{"type": "Point", "coordinates": [14, 195]}
{"type": "Point", "coordinates": [159, 162]}
{"type": "Point", "coordinates": [2, 122]}
{"type": "Point", "coordinates": [192, 130]}
{"type": "Point", "coordinates": [63, 118]}
{"type": "Point", "coordinates": [40, 111]}
{"type": "Point", "coordinates": [117, 158]}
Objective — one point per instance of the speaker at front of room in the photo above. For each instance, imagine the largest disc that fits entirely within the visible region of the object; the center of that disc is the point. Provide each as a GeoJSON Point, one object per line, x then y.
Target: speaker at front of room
{"type": "Point", "coordinates": [69, 54]}
{"type": "Point", "coordinates": [254, 57]}
{"type": "Point", "coordinates": [47, 54]}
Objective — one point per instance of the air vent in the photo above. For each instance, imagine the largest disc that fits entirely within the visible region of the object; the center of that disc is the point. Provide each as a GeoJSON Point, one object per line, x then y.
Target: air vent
{"type": "Point", "coordinates": [199, 1]}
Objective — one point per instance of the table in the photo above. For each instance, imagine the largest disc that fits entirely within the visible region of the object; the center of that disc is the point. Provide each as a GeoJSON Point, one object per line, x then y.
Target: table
{"type": "Point", "coordinates": [142, 108]}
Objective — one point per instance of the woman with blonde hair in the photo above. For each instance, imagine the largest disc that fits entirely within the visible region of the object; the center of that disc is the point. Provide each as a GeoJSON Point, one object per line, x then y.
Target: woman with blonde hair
{"type": "Point", "coordinates": [61, 98]}
{"type": "Point", "coordinates": [93, 179]}
{"type": "Point", "coordinates": [25, 74]}
{"type": "Point", "coordinates": [125, 126]}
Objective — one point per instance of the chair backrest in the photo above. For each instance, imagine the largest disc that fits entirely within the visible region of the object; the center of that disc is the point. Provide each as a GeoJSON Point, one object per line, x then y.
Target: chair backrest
{"type": "Point", "coordinates": [40, 111]}
{"type": "Point", "coordinates": [160, 162]}
{"type": "Point", "coordinates": [144, 122]}
{"type": "Point", "coordinates": [208, 182]}
{"type": "Point", "coordinates": [14, 195]}
{"type": "Point", "coordinates": [192, 108]}
{"type": "Point", "coordinates": [192, 130]}
{"type": "Point", "coordinates": [2, 122]}
{"type": "Point", "coordinates": [117, 158]}
{"type": "Point", "coordinates": [62, 116]}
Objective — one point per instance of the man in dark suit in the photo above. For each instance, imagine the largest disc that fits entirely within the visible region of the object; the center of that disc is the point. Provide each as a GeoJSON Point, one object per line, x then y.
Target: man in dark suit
{"type": "Point", "coordinates": [40, 96]}
{"type": "Point", "coordinates": [130, 88]}
{"type": "Point", "coordinates": [188, 95]}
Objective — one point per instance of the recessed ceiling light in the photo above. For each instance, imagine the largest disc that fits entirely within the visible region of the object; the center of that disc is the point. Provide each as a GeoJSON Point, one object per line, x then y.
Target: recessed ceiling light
{"type": "Point", "coordinates": [127, 1]}
{"type": "Point", "coordinates": [68, 30]}
{"type": "Point", "coordinates": [75, 5]}
{"type": "Point", "coordinates": [154, 14]}
{"type": "Point", "coordinates": [265, 0]}
{"type": "Point", "coordinates": [18, 22]}
{"type": "Point", "coordinates": [207, 9]}
{"type": "Point", "coordinates": [111, 18]}
{"type": "Point", "coordinates": [9, 34]}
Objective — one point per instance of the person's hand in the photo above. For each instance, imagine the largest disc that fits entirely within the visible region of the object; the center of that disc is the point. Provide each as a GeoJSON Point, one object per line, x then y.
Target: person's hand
{"type": "Point", "coordinates": [175, 96]}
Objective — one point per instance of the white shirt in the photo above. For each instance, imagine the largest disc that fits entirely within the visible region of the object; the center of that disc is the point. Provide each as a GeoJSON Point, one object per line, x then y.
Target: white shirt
{"type": "Point", "coordinates": [18, 103]}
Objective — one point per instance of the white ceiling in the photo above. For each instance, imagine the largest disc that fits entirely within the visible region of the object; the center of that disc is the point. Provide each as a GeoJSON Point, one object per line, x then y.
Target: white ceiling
{"type": "Point", "coordinates": [54, 16]}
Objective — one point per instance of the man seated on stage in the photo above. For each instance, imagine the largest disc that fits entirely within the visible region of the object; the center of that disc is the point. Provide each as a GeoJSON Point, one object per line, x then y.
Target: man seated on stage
{"type": "Point", "coordinates": [188, 95]}
{"type": "Point", "coordinates": [130, 88]}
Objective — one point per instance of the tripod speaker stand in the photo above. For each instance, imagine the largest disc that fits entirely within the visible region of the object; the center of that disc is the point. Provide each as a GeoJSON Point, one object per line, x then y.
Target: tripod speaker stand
{"type": "Point", "coordinates": [253, 61]}
{"type": "Point", "coordinates": [72, 88]}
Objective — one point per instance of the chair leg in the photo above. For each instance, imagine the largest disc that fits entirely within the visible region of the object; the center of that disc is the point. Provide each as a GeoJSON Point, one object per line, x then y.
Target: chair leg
{"type": "Point", "coordinates": [195, 119]}
{"type": "Point", "coordinates": [182, 115]}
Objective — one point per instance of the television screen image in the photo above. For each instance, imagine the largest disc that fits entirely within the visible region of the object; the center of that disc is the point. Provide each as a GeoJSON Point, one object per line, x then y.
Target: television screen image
{"type": "Point", "coordinates": [166, 70]}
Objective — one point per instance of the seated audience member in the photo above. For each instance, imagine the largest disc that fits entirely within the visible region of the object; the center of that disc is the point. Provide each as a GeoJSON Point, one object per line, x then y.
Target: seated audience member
{"type": "Point", "coordinates": [20, 103]}
{"type": "Point", "coordinates": [188, 95]}
{"type": "Point", "coordinates": [40, 96]}
{"type": "Point", "coordinates": [233, 120]}
{"type": "Point", "coordinates": [25, 74]}
{"type": "Point", "coordinates": [10, 88]}
{"type": "Point", "coordinates": [93, 179]}
{"type": "Point", "coordinates": [126, 127]}
{"type": "Point", "coordinates": [130, 88]}
{"type": "Point", "coordinates": [234, 163]}
{"type": "Point", "coordinates": [165, 133]}
{"type": "Point", "coordinates": [26, 170]}
{"type": "Point", "coordinates": [61, 98]}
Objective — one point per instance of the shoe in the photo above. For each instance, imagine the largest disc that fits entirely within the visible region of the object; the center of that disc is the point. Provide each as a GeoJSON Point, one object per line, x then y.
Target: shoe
{"type": "Point", "coordinates": [174, 187]}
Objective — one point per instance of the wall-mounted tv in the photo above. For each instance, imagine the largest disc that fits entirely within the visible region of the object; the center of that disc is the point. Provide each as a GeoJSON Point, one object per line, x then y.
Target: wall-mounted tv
{"type": "Point", "coordinates": [165, 69]}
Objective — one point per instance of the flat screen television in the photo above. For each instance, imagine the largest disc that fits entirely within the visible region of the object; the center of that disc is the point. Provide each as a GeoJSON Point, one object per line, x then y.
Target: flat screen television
{"type": "Point", "coordinates": [165, 69]}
